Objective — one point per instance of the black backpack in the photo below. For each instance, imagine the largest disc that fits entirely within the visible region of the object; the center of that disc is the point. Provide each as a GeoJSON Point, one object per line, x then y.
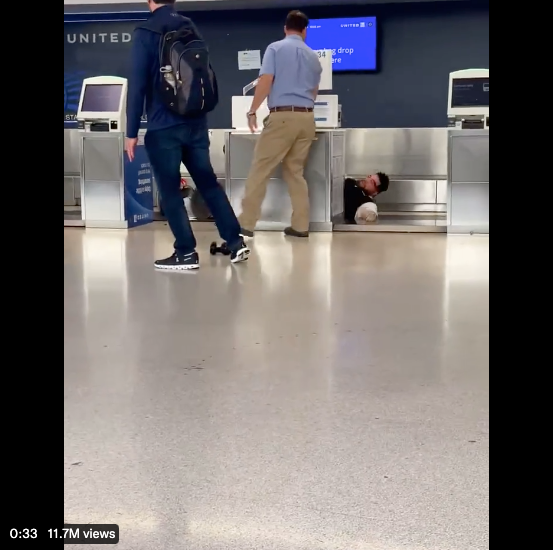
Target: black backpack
{"type": "Point", "coordinates": [188, 82]}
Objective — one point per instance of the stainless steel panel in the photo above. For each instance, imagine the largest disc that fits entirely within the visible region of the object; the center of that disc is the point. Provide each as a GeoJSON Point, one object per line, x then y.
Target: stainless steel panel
{"type": "Point", "coordinates": [277, 209]}
{"type": "Point", "coordinates": [401, 152]}
{"type": "Point", "coordinates": [412, 209]}
{"type": "Point", "coordinates": [337, 198]}
{"type": "Point", "coordinates": [71, 152]}
{"type": "Point", "coordinates": [415, 153]}
{"type": "Point", "coordinates": [217, 151]}
{"type": "Point", "coordinates": [337, 167]}
{"type": "Point", "coordinates": [276, 206]}
{"type": "Point", "coordinates": [338, 173]}
{"type": "Point", "coordinates": [470, 205]}
{"type": "Point", "coordinates": [441, 191]}
{"type": "Point", "coordinates": [338, 144]}
{"type": "Point", "coordinates": [102, 158]}
{"type": "Point", "coordinates": [103, 201]}
{"type": "Point", "coordinates": [318, 176]}
{"type": "Point", "coordinates": [468, 182]}
{"type": "Point", "coordinates": [241, 150]}
{"type": "Point", "coordinates": [69, 198]}
{"type": "Point", "coordinates": [242, 146]}
{"type": "Point", "coordinates": [77, 186]}
{"type": "Point", "coordinates": [410, 192]}
{"type": "Point", "coordinates": [470, 157]}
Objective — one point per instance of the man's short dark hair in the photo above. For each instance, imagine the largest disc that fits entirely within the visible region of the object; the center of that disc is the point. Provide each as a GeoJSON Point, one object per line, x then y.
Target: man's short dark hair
{"type": "Point", "coordinates": [296, 21]}
{"type": "Point", "coordinates": [384, 182]}
{"type": "Point", "coordinates": [164, 2]}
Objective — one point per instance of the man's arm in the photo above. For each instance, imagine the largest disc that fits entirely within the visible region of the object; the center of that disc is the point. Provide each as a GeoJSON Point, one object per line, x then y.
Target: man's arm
{"type": "Point", "coordinates": [318, 70]}
{"type": "Point", "coordinates": [262, 91]}
{"type": "Point", "coordinates": [138, 82]}
{"type": "Point", "coordinates": [266, 79]}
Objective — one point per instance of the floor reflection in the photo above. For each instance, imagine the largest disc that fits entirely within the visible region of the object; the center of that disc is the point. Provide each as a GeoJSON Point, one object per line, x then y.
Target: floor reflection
{"type": "Point", "coordinates": [332, 394]}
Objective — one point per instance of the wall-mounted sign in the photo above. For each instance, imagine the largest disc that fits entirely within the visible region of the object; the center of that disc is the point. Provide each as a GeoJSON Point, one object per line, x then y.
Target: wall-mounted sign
{"type": "Point", "coordinates": [249, 60]}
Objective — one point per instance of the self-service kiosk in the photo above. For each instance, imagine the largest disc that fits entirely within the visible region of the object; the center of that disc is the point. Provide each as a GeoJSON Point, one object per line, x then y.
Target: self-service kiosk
{"type": "Point", "coordinates": [469, 99]}
{"type": "Point", "coordinates": [469, 152]}
{"type": "Point", "coordinates": [115, 193]}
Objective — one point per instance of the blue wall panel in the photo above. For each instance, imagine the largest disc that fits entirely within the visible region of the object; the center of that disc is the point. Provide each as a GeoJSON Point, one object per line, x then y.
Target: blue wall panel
{"type": "Point", "coordinates": [421, 44]}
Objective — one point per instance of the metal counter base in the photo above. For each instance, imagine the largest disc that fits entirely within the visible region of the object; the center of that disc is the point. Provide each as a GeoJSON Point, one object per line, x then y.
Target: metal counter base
{"type": "Point", "coordinates": [324, 172]}
{"type": "Point", "coordinates": [483, 230]}
{"type": "Point", "coordinates": [469, 182]}
{"type": "Point", "coordinates": [115, 193]}
{"type": "Point", "coordinates": [72, 217]}
{"type": "Point", "coordinates": [398, 223]}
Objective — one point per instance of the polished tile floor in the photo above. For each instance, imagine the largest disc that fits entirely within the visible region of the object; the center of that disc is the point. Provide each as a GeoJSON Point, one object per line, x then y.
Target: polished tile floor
{"type": "Point", "coordinates": [332, 394]}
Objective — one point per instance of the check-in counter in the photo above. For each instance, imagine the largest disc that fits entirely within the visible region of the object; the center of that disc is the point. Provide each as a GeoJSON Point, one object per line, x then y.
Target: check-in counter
{"type": "Point", "coordinates": [115, 192]}
{"type": "Point", "coordinates": [71, 168]}
{"type": "Point", "coordinates": [324, 172]}
{"type": "Point", "coordinates": [469, 181]}
{"type": "Point", "coordinates": [416, 159]}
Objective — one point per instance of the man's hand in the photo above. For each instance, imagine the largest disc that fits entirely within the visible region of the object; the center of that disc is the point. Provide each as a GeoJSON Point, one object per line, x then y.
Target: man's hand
{"type": "Point", "coordinates": [130, 146]}
{"type": "Point", "coordinates": [252, 122]}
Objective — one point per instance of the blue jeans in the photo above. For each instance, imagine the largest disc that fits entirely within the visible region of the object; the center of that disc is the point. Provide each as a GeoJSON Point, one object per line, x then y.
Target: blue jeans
{"type": "Point", "coordinates": [189, 143]}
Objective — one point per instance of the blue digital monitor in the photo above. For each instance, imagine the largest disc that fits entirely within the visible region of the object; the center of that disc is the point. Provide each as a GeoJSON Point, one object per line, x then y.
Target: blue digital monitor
{"type": "Point", "coordinates": [353, 42]}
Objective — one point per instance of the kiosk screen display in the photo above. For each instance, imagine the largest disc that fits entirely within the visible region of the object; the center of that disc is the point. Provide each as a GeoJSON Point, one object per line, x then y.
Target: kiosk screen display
{"type": "Point", "coordinates": [470, 92]}
{"type": "Point", "coordinates": [99, 98]}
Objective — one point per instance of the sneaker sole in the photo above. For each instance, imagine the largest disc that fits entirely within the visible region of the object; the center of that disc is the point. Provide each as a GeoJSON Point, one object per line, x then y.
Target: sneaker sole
{"type": "Point", "coordinates": [299, 236]}
{"type": "Point", "coordinates": [241, 256]}
{"type": "Point", "coordinates": [177, 267]}
{"type": "Point", "coordinates": [247, 238]}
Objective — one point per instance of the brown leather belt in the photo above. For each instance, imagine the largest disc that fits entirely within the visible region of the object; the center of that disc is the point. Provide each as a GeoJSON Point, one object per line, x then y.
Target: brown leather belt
{"type": "Point", "coordinates": [291, 110]}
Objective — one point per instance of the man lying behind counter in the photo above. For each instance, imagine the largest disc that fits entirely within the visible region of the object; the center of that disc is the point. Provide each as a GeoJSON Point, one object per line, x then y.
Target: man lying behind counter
{"type": "Point", "coordinates": [359, 205]}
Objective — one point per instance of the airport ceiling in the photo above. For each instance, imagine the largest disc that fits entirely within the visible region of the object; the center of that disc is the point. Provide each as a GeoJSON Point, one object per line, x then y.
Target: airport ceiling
{"type": "Point", "coordinates": [103, 6]}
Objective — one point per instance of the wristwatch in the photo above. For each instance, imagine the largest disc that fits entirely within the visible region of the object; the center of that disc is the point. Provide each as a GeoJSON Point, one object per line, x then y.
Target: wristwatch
{"type": "Point", "coordinates": [252, 113]}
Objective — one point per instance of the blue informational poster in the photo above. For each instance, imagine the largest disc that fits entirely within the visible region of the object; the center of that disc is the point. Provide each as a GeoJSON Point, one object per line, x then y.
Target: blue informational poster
{"type": "Point", "coordinates": [139, 188]}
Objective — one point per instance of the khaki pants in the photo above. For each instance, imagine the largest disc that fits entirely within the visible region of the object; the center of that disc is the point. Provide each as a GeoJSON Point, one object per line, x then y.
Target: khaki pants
{"type": "Point", "coordinates": [287, 138]}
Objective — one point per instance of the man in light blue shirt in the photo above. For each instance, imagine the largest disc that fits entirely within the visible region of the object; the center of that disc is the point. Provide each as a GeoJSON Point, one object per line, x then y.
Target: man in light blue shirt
{"type": "Point", "coordinates": [290, 78]}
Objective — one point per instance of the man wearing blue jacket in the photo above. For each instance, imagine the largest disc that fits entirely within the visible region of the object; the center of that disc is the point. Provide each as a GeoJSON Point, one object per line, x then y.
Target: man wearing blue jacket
{"type": "Point", "coordinates": [172, 139]}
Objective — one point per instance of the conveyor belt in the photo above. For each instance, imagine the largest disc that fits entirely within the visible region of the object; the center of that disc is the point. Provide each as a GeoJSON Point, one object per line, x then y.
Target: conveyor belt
{"type": "Point", "coordinates": [394, 222]}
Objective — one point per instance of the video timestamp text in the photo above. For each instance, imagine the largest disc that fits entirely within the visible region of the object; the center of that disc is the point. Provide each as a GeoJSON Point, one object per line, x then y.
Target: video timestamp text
{"type": "Point", "coordinates": [69, 533]}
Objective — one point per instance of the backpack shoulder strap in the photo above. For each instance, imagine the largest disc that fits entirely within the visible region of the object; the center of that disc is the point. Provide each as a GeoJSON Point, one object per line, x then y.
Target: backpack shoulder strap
{"type": "Point", "coordinates": [162, 31]}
